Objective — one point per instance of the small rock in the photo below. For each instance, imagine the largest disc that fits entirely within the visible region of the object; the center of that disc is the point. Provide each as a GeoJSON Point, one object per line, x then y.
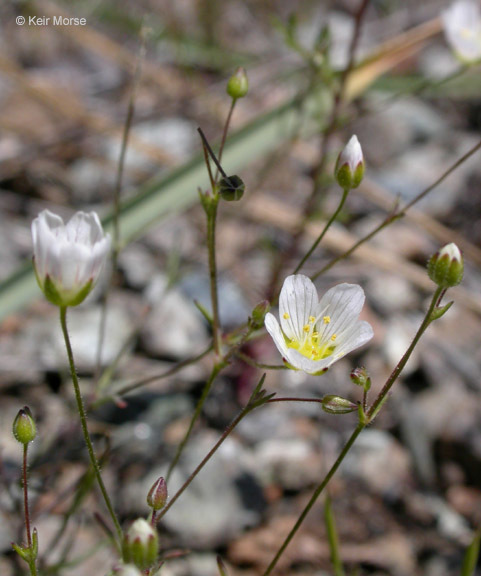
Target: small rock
{"type": "Point", "coordinates": [380, 462]}
{"type": "Point", "coordinates": [198, 564]}
{"type": "Point", "coordinates": [222, 501]}
{"type": "Point", "coordinates": [391, 293]}
{"type": "Point", "coordinates": [293, 464]}
{"type": "Point", "coordinates": [397, 338]}
{"type": "Point", "coordinates": [177, 136]}
{"type": "Point", "coordinates": [233, 308]}
{"type": "Point", "coordinates": [83, 326]}
{"type": "Point", "coordinates": [174, 328]}
{"type": "Point", "coordinates": [144, 437]}
{"type": "Point", "coordinates": [138, 266]}
{"type": "Point", "coordinates": [392, 131]}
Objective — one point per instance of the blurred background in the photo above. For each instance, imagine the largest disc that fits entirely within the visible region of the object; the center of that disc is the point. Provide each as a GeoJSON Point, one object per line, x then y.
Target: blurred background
{"type": "Point", "coordinates": [408, 498]}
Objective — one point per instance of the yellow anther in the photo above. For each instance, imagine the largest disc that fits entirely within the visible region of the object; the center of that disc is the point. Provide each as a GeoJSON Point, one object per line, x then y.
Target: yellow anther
{"type": "Point", "coordinates": [326, 319]}
{"type": "Point", "coordinates": [333, 337]}
{"type": "Point", "coordinates": [286, 316]}
{"type": "Point", "coordinates": [312, 319]}
{"type": "Point", "coordinates": [306, 328]}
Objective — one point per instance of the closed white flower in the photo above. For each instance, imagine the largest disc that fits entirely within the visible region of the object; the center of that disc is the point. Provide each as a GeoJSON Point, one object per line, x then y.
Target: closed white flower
{"type": "Point", "coordinates": [314, 334]}
{"type": "Point", "coordinates": [350, 165]}
{"type": "Point", "coordinates": [68, 258]}
{"type": "Point", "coordinates": [462, 27]}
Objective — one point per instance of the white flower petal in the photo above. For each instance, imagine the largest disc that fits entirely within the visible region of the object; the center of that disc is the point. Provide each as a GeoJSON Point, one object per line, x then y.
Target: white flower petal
{"type": "Point", "coordinates": [272, 326]}
{"type": "Point", "coordinates": [359, 334]}
{"type": "Point", "coordinates": [74, 260]}
{"type": "Point", "coordinates": [298, 300]}
{"type": "Point", "coordinates": [342, 304]}
{"type": "Point", "coordinates": [337, 330]}
{"type": "Point", "coordinates": [462, 28]}
{"type": "Point", "coordinates": [306, 364]}
{"type": "Point", "coordinates": [352, 154]}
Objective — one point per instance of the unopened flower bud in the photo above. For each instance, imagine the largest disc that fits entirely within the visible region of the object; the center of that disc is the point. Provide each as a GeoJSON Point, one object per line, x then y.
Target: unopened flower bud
{"type": "Point", "coordinates": [350, 165]}
{"type": "Point", "coordinates": [157, 496]}
{"type": "Point", "coordinates": [238, 85]}
{"type": "Point", "coordinates": [360, 377]}
{"type": "Point", "coordinates": [446, 267]}
{"type": "Point", "coordinates": [127, 570]}
{"type": "Point", "coordinates": [24, 428]}
{"type": "Point", "coordinates": [231, 188]}
{"type": "Point", "coordinates": [257, 317]}
{"type": "Point", "coordinates": [337, 405]}
{"type": "Point", "coordinates": [141, 544]}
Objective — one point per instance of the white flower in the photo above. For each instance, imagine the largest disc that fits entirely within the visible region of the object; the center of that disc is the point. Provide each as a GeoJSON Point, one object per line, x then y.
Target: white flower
{"type": "Point", "coordinates": [350, 166]}
{"type": "Point", "coordinates": [313, 334]}
{"type": "Point", "coordinates": [68, 258]}
{"type": "Point", "coordinates": [462, 27]}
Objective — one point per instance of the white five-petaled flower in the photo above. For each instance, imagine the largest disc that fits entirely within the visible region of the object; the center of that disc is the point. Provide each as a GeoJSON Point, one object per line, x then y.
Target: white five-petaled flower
{"type": "Point", "coordinates": [314, 333]}
{"type": "Point", "coordinates": [68, 258]}
{"type": "Point", "coordinates": [462, 27]}
{"type": "Point", "coordinates": [350, 165]}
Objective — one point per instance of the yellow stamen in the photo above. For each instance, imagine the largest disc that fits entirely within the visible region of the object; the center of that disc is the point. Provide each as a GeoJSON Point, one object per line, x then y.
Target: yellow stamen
{"type": "Point", "coordinates": [333, 337]}
{"type": "Point", "coordinates": [326, 319]}
{"type": "Point", "coordinates": [306, 328]}
{"type": "Point", "coordinates": [286, 316]}
{"type": "Point", "coordinates": [312, 319]}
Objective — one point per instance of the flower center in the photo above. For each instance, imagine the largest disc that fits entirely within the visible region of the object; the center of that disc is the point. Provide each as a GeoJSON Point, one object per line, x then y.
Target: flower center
{"type": "Point", "coordinates": [314, 345]}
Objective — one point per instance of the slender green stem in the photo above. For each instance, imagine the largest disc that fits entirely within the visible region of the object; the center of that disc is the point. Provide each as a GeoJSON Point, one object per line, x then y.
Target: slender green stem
{"type": "Point", "coordinates": [319, 169]}
{"type": "Point", "coordinates": [386, 222]}
{"type": "Point", "coordinates": [224, 134]}
{"type": "Point", "coordinates": [332, 537]}
{"type": "Point", "coordinates": [295, 399]}
{"type": "Point", "coordinates": [208, 456]}
{"type": "Point", "coordinates": [154, 378]}
{"type": "Point", "coordinates": [251, 362]}
{"type": "Point", "coordinates": [400, 213]}
{"type": "Point", "coordinates": [116, 200]}
{"type": "Point", "coordinates": [198, 409]}
{"type": "Point", "coordinates": [25, 496]}
{"type": "Point", "coordinates": [83, 422]}
{"type": "Point", "coordinates": [314, 497]}
{"type": "Point", "coordinates": [32, 561]}
{"type": "Point", "coordinates": [374, 409]}
{"type": "Point", "coordinates": [402, 363]}
{"type": "Point", "coordinates": [211, 229]}
{"type": "Point", "coordinates": [323, 233]}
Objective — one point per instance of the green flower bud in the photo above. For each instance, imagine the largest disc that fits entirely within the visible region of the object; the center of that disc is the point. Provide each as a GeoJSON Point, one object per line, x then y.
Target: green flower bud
{"type": "Point", "coordinates": [238, 85]}
{"type": "Point", "coordinates": [360, 377]}
{"type": "Point", "coordinates": [446, 266]}
{"type": "Point", "coordinates": [24, 428]}
{"type": "Point", "coordinates": [231, 188]}
{"type": "Point", "coordinates": [157, 496]}
{"type": "Point", "coordinates": [336, 405]}
{"type": "Point", "coordinates": [141, 544]}
{"type": "Point", "coordinates": [350, 165]}
{"type": "Point", "coordinates": [257, 317]}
